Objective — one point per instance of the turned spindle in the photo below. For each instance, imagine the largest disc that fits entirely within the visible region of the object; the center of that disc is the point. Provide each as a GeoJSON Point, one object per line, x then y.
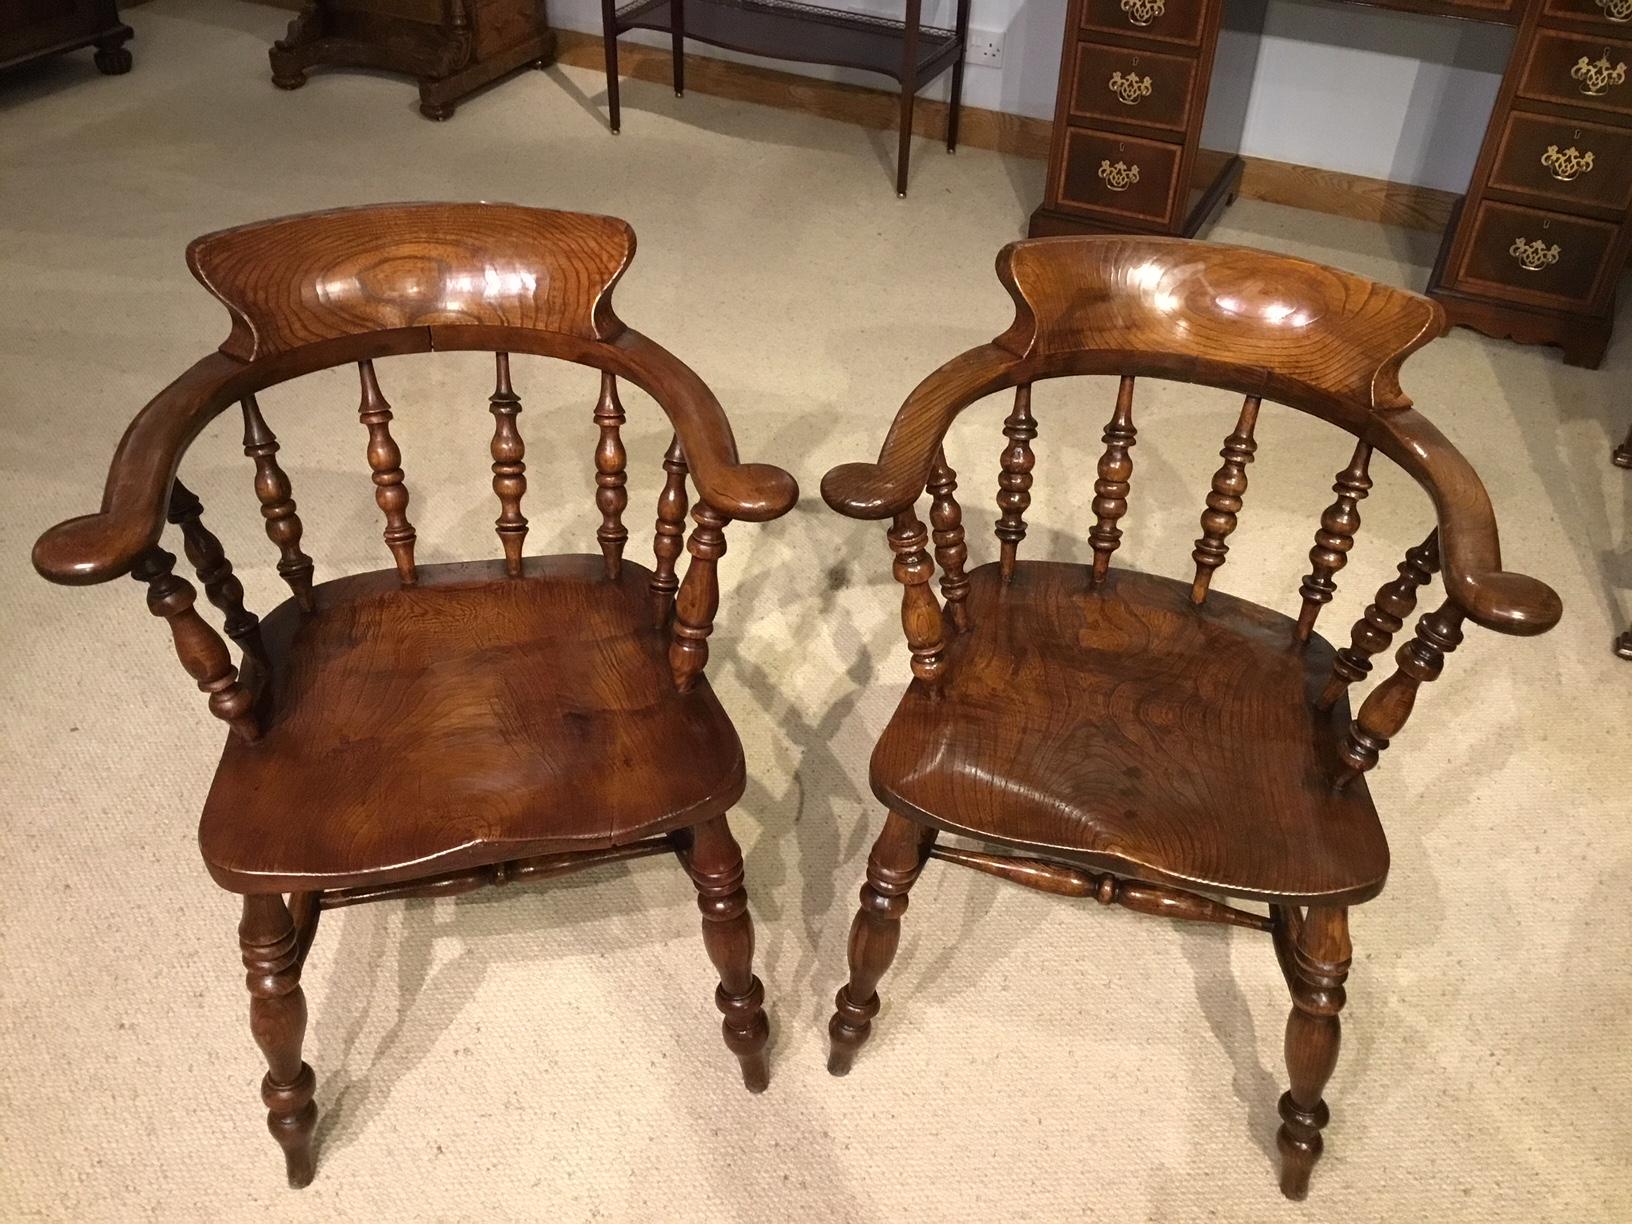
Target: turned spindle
{"type": "Point", "coordinates": [273, 491]}
{"type": "Point", "coordinates": [1115, 474]}
{"type": "Point", "coordinates": [1014, 482]}
{"type": "Point", "coordinates": [611, 493]}
{"type": "Point", "coordinates": [920, 612]}
{"type": "Point", "coordinates": [669, 539]}
{"type": "Point", "coordinates": [509, 469]}
{"type": "Point", "coordinates": [386, 462]}
{"type": "Point", "coordinates": [1225, 499]}
{"type": "Point", "coordinates": [946, 520]}
{"type": "Point", "coordinates": [1334, 539]}
{"type": "Point", "coordinates": [199, 647]}
{"type": "Point", "coordinates": [1389, 705]}
{"type": "Point", "coordinates": [209, 562]}
{"type": "Point", "coordinates": [1382, 619]}
{"type": "Point", "coordinates": [699, 597]}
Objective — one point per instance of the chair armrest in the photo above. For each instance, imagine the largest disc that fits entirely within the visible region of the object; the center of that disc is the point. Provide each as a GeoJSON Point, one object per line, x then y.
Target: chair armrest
{"type": "Point", "coordinates": [757, 492]}
{"type": "Point", "coordinates": [883, 489]}
{"type": "Point", "coordinates": [102, 546]}
{"type": "Point", "coordinates": [1470, 554]}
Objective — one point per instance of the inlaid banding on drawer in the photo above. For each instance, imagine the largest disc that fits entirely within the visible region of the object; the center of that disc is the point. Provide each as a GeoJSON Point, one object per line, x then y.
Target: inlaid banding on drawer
{"type": "Point", "coordinates": [1578, 70]}
{"type": "Point", "coordinates": [1546, 258]}
{"type": "Point", "coordinates": [1120, 177]}
{"type": "Point", "coordinates": [1138, 87]}
{"type": "Point", "coordinates": [1567, 162]}
{"type": "Point", "coordinates": [1174, 21]}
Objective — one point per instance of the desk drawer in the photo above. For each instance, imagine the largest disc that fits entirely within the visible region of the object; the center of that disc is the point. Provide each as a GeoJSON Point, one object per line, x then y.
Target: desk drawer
{"type": "Point", "coordinates": [1121, 178]}
{"type": "Point", "coordinates": [1175, 21]}
{"type": "Point", "coordinates": [1140, 87]}
{"type": "Point", "coordinates": [1566, 161]}
{"type": "Point", "coordinates": [1527, 255]}
{"type": "Point", "coordinates": [1578, 70]}
{"type": "Point", "coordinates": [1611, 13]}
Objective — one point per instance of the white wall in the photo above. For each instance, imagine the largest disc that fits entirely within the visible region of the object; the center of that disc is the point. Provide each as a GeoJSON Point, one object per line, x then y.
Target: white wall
{"type": "Point", "coordinates": [1339, 86]}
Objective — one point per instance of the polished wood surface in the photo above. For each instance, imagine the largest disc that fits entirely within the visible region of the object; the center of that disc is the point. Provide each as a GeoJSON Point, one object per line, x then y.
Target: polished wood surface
{"type": "Point", "coordinates": [453, 47]}
{"type": "Point", "coordinates": [1139, 734]}
{"type": "Point", "coordinates": [422, 730]}
{"type": "Point", "coordinates": [1148, 741]}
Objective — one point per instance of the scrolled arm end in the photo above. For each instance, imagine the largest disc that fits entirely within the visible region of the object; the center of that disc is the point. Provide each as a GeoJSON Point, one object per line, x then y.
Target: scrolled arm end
{"type": "Point", "coordinates": [863, 491]}
{"type": "Point", "coordinates": [85, 550]}
{"type": "Point", "coordinates": [1507, 602]}
{"type": "Point", "coordinates": [755, 492]}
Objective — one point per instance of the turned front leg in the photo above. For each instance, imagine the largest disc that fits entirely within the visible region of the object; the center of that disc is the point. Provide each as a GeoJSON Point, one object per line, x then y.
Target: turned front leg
{"type": "Point", "coordinates": [897, 858]}
{"type": "Point", "coordinates": [1318, 966]}
{"type": "Point", "coordinates": [277, 1018]}
{"type": "Point", "coordinates": [714, 861]}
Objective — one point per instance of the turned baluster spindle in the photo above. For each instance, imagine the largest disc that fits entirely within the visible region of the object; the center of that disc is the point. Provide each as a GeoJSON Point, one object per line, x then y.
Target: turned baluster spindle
{"type": "Point", "coordinates": [273, 490]}
{"type": "Point", "coordinates": [669, 540]}
{"type": "Point", "coordinates": [699, 597]}
{"type": "Point", "coordinates": [209, 561]}
{"type": "Point", "coordinates": [1115, 474]}
{"type": "Point", "coordinates": [1382, 619]}
{"type": "Point", "coordinates": [920, 612]}
{"type": "Point", "coordinates": [946, 518]}
{"type": "Point", "coordinates": [1334, 539]}
{"type": "Point", "coordinates": [386, 462]}
{"type": "Point", "coordinates": [200, 648]}
{"type": "Point", "coordinates": [1014, 483]}
{"type": "Point", "coordinates": [1225, 499]}
{"type": "Point", "coordinates": [509, 469]}
{"type": "Point", "coordinates": [1389, 705]}
{"type": "Point", "coordinates": [611, 492]}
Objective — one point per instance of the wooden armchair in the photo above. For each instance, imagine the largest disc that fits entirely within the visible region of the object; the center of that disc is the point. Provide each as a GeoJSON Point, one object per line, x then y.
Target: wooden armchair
{"type": "Point", "coordinates": [427, 729]}
{"type": "Point", "coordinates": [1142, 740]}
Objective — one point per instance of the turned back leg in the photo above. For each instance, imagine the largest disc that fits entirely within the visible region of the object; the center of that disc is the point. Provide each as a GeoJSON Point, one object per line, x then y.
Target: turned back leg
{"type": "Point", "coordinates": [1316, 961]}
{"type": "Point", "coordinates": [897, 858]}
{"type": "Point", "coordinates": [714, 862]}
{"type": "Point", "coordinates": [277, 1017]}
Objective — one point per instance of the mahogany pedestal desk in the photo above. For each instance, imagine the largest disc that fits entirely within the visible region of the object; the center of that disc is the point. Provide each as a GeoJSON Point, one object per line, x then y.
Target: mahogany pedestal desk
{"type": "Point", "coordinates": [1535, 247]}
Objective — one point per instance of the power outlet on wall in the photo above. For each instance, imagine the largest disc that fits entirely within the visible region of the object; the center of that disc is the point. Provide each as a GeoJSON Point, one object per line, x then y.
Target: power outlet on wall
{"type": "Point", "coordinates": [985, 48]}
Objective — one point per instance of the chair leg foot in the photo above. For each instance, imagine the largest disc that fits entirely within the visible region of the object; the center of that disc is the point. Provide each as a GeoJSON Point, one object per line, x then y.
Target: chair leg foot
{"type": "Point", "coordinates": [277, 1018]}
{"type": "Point", "coordinates": [897, 857]}
{"type": "Point", "coordinates": [1313, 1033]}
{"type": "Point", "coordinates": [714, 861]}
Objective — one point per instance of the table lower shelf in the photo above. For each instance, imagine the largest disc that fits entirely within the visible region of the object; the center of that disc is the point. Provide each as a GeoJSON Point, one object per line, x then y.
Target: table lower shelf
{"type": "Point", "coordinates": [785, 30]}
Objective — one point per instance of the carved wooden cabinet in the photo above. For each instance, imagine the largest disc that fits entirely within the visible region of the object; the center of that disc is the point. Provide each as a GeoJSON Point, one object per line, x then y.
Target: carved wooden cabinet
{"type": "Point", "coordinates": [34, 29]}
{"type": "Point", "coordinates": [1541, 239]}
{"type": "Point", "coordinates": [454, 47]}
{"type": "Point", "coordinates": [1534, 250]}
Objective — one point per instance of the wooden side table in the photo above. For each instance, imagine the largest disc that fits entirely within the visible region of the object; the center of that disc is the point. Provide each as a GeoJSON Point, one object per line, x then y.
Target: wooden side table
{"type": "Point", "coordinates": [30, 31]}
{"type": "Point", "coordinates": [454, 47]}
{"type": "Point", "coordinates": [1622, 457]}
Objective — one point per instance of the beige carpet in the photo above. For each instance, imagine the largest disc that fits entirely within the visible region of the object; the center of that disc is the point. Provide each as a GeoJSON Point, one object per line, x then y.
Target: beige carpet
{"type": "Point", "coordinates": [553, 1053]}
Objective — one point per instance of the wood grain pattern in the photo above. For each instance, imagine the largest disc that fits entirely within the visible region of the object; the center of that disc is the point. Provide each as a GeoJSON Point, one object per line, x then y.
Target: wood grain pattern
{"type": "Point", "coordinates": [1126, 730]}
{"type": "Point", "coordinates": [465, 720]}
{"type": "Point", "coordinates": [1317, 339]}
{"type": "Point", "coordinates": [420, 278]}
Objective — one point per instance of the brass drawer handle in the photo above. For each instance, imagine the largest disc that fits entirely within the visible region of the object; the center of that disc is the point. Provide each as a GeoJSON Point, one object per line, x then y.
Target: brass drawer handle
{"type": "Point", "coordinates": [1143, 12]}
{"type": "Point", "coordinates": [1131, 88]}
{"type": "Point", "coordinates": [1596, 78]}
{"type": "Point", "coordinates": [1617, 10]}
{"type": "Point", "coordinates": [1120, 176]}
{"type": "Point", "coordinates": [1570, 164]}
{"type": "Point", "coordinates": [1534, 256]}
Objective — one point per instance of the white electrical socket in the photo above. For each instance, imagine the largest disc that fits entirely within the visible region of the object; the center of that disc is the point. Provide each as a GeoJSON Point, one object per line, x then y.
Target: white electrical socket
{"type": "Point", "coordinates": [985, 48]}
